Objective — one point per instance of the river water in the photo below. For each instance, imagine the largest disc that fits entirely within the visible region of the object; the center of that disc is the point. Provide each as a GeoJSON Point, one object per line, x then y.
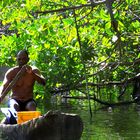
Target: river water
{"type": "Point", "coordinates": [119, 123]}
{"type": "Point", "coordinates": [122, 123]}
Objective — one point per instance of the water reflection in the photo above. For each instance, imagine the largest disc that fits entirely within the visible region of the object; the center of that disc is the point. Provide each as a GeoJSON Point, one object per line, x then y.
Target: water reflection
{"type": "Point", "coordinates": [119, 123]}
{"type": "Point", "coordinates": [126, 122]}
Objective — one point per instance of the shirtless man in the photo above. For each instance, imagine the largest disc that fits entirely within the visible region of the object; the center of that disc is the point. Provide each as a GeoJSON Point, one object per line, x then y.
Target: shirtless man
{"type": "Point", "coordinates": [22, 91]}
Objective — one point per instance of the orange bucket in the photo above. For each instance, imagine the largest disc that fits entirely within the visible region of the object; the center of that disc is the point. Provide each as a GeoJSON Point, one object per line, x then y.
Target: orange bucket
{"type": "Point", "coordinates": [24, 116]}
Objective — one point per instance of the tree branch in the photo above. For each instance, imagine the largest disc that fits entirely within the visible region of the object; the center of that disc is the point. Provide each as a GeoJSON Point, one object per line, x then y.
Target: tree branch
{"type": "Point", "coordinates": [100, 101]}
{"type": "Point", "coordinates": [92, 4]}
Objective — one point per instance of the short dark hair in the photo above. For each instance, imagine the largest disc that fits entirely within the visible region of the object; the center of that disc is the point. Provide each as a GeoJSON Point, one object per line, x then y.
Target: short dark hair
{"type": "Point", "coordinates": [25, 51]}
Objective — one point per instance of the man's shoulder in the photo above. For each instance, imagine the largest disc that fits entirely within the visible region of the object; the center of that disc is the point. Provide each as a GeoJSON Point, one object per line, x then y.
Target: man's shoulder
{"type": "Point", "coordinates": [35, 70]}
{"type": "Point", "coordinates": [11, 70]}
{"type": "Point", "coordinates": [34, 67]}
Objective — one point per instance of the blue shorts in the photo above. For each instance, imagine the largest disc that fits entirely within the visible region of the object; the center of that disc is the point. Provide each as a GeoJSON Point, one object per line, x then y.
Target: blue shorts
{"type": "Point", "coordinates": [22, 104]}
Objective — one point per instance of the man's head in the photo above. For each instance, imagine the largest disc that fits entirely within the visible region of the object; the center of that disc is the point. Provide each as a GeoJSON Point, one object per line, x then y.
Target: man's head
{"type": "Point", "coordinates": [22, 57]}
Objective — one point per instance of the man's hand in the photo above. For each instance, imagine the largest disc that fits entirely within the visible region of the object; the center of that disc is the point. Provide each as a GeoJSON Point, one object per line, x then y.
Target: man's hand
{"type": "Point", "coordinates": [29, 69]}
{"type": "Point", "coordinates": [26, 68]}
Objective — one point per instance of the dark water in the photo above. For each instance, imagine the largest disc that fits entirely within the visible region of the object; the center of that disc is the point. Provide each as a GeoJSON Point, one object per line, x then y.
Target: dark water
{"type": "Point", "coordinates": [119, 123]}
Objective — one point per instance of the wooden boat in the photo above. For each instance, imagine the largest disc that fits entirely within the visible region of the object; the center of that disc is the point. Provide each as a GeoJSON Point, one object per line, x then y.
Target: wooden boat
{"type": "Point", "coordinates": [54, 125]}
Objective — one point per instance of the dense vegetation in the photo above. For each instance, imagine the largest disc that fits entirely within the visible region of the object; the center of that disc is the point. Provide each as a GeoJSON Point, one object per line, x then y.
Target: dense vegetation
{"type": "Point", "coordinates": [79, 45]}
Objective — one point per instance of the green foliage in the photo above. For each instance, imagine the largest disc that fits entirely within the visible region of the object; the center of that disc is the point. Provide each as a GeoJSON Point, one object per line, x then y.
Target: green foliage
{"type": "Point", "coordinates": [51, 38]}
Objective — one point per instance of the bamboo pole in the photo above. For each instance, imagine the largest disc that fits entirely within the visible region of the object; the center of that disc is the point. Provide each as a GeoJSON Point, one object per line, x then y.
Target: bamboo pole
{"type": "Point", "coordinates": [12, 83]}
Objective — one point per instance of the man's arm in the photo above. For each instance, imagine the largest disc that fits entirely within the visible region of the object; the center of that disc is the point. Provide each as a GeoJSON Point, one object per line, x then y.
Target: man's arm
{"type": "Point", "coordinates": [36, 74]}
{"type": "Point", "coordinates": [38, 77]}
{"type": "Point", "coordinates": [5, 84]}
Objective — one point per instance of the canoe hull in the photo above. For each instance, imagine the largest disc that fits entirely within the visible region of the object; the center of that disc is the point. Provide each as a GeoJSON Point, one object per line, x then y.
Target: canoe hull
{"type": "Point", "coordinates": [54, 125]}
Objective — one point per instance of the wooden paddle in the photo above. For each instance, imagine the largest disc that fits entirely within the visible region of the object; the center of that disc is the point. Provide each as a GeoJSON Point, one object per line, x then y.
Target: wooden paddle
{"type": "Point", "coordinates": [11, 84]}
